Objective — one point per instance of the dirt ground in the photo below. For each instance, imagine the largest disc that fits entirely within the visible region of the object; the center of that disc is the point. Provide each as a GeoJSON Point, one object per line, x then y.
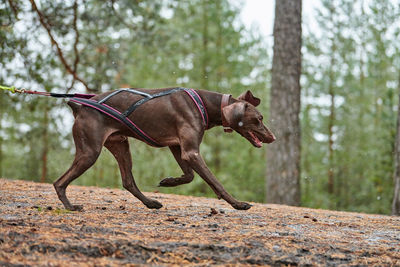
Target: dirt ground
{"type": "Point", "coordinates": [116, 229]}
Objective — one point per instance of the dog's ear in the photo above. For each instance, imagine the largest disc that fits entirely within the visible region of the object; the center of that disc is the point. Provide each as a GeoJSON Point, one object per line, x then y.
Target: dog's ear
{"type": "Point", "coordinates": [249, 97]}
{"type": "Point", "coordinates": [233, 113]}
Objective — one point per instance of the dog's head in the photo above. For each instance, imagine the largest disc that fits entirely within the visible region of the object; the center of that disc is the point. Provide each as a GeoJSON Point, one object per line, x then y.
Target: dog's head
{"type": "Point", "coordinates": [243, 117]}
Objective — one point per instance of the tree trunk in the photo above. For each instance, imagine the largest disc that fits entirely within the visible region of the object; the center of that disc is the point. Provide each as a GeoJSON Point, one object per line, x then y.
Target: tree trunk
{"type": "Point", "coordinates": [283, 156]}
{"type": "Point", "coordinates": [204, 63]}
{"type": "Point", "coordinates": [218, 78]}
{"type": "Point", "coordinates": [396, 194]}
{"type": "Point", "coordinates": [45, 139]}
{"type": "Point", "coordinates": [1, 138]}
{"type": "Point", "coordinates": [204, 78]}
{"type": "Point", "coordinates": [1, 152]}
{"type": "Point", "coordinates": [331, 89]}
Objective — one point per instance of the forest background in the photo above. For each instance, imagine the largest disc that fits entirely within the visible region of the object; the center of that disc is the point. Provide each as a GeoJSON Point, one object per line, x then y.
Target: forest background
{"type": "Point", "coordinates": [349, 99]}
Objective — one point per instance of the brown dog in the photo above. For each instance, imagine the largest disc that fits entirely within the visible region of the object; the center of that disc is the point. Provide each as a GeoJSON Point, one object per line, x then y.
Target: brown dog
{"type": "Point", "coordinates": [172, 120]}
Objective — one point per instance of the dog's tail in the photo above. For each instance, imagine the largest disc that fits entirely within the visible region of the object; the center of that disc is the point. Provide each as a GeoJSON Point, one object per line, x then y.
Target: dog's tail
{"type": "Point", "coordinates": [74, 106]}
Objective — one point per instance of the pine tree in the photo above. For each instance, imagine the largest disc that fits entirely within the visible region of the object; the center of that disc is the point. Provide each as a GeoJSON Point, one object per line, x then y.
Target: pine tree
{"type": "Point", "coordinates": [396, 176]}
{"type": "Point", "coordinates": [283, 157]}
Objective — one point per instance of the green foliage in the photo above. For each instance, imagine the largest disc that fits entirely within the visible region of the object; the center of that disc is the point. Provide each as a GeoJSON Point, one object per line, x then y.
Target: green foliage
{"type": "Point", "coordinates": [356, 47]}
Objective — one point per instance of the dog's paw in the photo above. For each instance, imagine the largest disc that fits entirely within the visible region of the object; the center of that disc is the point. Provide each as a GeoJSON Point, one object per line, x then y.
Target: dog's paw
{"type": "Point", "coordinates": [153, 204]}
{"type": "Point", "coordinates": [242, 206]}
{"type": "Point", "coordinates": [170, 181]}
{"type": "Point", "coordinates": [167, 182]}
{"type": "Point", "coordinates": [75, 208]}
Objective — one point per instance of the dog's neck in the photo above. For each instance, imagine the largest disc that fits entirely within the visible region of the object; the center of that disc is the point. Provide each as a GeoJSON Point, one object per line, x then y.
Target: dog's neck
{"type": "Point", "coordinates": [212, 101]}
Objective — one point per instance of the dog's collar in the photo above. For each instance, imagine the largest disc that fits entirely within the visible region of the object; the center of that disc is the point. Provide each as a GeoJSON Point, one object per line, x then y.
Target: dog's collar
{"type": "Point", "coordinates": [224, 103]}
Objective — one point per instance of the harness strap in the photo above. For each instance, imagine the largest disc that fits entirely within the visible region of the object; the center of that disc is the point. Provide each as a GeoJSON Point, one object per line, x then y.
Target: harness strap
{"type": "Point", "coordinates": [200, 105]}
{"type": "Point", "coordinates": [124, 90]}
{"type": "Point", "coordinates": [123, 116]}
{"type": "Point", "coordinates": [115, 114]}
{"type": "Point", "coordinates": [147, 98]}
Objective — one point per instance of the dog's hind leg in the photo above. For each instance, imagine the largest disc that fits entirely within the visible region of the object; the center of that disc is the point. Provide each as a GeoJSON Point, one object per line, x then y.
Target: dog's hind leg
{"type": "Point", "coordinates": [187, 176]}
{"type": "Point", "coordinates": [118, 145]}
{"type": "Point", "coordinates": [89, 139]}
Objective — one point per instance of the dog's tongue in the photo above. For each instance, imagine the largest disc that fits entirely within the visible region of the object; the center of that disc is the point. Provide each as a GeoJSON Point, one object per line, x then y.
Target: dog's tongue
{"type": "Point", "coordinates": [255, 139]}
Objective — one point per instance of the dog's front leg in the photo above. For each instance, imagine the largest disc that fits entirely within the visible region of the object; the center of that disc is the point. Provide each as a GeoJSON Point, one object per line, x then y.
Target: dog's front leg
{"type": "Point", "coordinates": [191, 155]}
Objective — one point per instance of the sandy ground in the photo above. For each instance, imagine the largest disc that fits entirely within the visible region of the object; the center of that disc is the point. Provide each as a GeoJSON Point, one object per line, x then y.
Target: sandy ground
{"type": "Point", "coordinates": [116, 229]}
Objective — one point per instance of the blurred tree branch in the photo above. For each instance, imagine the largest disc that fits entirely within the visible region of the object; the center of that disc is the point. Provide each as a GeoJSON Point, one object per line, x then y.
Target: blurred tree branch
{"type": "Point", "coordinates": [76, 52]}
{"type": "Point", "coordinates": [13, 8]}
{"type": "Point", "coordinates": [14, 11]}
{"type": "Point", "coordinates": [69, 69]}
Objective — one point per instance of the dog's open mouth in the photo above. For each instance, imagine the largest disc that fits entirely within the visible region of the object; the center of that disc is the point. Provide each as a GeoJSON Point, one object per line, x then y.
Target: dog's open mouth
{"type": "Point", "coordinates": [254, 139]}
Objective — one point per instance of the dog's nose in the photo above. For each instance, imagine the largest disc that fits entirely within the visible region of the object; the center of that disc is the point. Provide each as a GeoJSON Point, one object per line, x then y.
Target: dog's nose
{"type": "Point", "coordinates": [271, 138]}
